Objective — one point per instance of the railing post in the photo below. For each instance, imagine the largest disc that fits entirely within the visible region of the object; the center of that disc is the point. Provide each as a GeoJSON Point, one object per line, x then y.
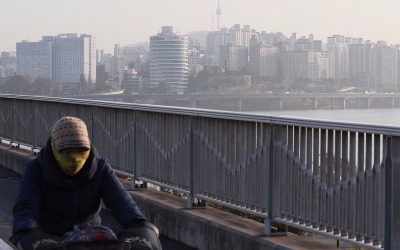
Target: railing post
{"type": "Point", "coordinates": [191, 179]}
{"type": "Point", "coordinates": [392, 199]}
{"type": "Point", "coordinates": [388, 193]}
{"type": "Point", "coordinates": [136, 155]}
{"type": "Point", "coordinates": [274, 178]}
{"type": "Point", "coordinates": [13, 107]}
{"type": "Point", "coordinates": [33, 129]}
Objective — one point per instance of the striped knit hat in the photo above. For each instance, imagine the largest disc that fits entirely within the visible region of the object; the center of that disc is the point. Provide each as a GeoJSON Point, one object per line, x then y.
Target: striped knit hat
{"type": "Point", "coordinates": [70, 132]}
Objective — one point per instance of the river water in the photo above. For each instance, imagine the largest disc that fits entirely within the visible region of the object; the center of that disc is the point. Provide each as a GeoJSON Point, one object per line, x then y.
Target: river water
{"type": "Point", "coordinates": [387, 117]}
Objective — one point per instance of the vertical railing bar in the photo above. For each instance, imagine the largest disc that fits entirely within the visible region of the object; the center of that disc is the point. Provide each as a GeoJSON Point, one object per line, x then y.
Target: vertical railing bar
{"type": "Point", "coordinates": [388, 195]}
{"type": "Point", "coordinates": [296, 174]}
{"type": "Point", "coordinates": [351, 218]}
{"type": "Point", "coordinates": [227, 164]}
{"type": "Point", "coordinates": [284, 174]}
{"type": "Point", "coordinates": [34, 132]}
{"type": "Point", "coordinates": [308, 176]}
{"type": "Point", "coordinates": [323, 185]}
{"type": "Point", "coordinates": [360, 187]}
{"type": "Point", "coordinates": [395, 186]}
{"type": "Point", "coordinates": [330, 180]}
{"type": "Point", "coordinates": [265, 156]}
{"type": "Point", "coordinates": [376, 192]}
{"type": "Point", "coordinates": [337, 181]}
{"type": "Point", "coordinates": [344, 185]}
{"type": "Point", "coordinates": [12, 122]}
{"type": "Point", "coordinates": [251, 154]}
{"type": "Point", "coordinates": [274, 166]}
{"type": "Point", "coordinates": [302, 173]}
{"type": "Point", "coordinates": [316, 177]}
{"type": "Point", "coordinates": [137, 146]}
{"type": "Point", "coordinates": [290, 185]}
{"type": "Point", "coordinates": [242, 164]}
{"type": "Point", "coordinates": [368, 189]}
{"type": "Point", "coordinates": [191, 166]}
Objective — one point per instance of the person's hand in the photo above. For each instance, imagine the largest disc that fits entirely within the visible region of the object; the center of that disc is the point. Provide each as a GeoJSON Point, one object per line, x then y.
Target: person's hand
{"type": "Point", "coordinates": [34, 239]}
{"type": "Point", "coordinates": [45, 244]}
{"type": "Point", "coordinates": [141, 231]}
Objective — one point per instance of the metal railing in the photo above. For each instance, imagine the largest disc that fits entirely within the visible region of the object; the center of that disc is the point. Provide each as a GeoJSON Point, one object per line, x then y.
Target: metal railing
{"type": "Point", "coordinates": [332, 178]}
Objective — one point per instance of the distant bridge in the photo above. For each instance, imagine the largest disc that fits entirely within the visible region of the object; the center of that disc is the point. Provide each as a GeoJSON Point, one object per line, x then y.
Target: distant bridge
{"type": "Point", "coordinates": [260, 102]}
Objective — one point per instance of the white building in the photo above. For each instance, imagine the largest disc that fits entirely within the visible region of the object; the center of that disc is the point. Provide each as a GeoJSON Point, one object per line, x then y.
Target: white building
{"type": "Point", "coordinates": [75, 57]}
{"type": "Point", "coordinates": [169, 60]}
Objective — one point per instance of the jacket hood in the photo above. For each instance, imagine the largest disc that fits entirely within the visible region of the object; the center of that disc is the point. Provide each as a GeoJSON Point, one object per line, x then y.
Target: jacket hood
{"type": "Point", "coordinates": [54, 176]}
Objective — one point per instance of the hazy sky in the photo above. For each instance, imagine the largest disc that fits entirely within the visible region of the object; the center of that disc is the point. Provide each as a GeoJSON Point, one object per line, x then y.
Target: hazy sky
{"type": "Point", "coordinates": [131, 21]}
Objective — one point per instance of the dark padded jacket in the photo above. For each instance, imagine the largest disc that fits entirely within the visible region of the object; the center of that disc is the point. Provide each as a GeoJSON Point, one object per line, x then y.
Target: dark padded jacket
{"type": "Point", "coordinates": [54, 202]}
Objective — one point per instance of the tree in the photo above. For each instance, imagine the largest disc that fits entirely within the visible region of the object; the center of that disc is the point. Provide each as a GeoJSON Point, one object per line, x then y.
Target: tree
{"type": "Point", "coordinates": [18, 85]}
{"type": "Point", "coordinates": [82, 83]}
{"type": "Point", "coordinates": [43, 86]}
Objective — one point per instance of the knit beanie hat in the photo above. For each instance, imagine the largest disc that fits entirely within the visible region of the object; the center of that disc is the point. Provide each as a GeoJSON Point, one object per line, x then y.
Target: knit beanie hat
{"type": "Point", "coordinates": [70, 132]}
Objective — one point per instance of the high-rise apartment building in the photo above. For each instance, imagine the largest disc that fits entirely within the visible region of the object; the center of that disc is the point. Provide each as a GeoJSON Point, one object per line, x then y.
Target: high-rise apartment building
{"type": "Point", "coordinates": [254, 54]}
{"type": "Point", "coordinates": [214, 41]}
{"type": "Point", "coordinates": [234, 57]}
{"type": "Point", "coordinates": [358, 58]}
{"type": "Point", "coordinates": [384, 67]}
{"type": "Point", "coordinates": [66, 59]}
{"type": "Point", "coordinates": [269, 61]}
{"type": "Point", "coordinates": [340, 61]}
{"type": "Point", "coordinates": [169, 60]}
{"type": "Point", "coordinates": [235, 36]}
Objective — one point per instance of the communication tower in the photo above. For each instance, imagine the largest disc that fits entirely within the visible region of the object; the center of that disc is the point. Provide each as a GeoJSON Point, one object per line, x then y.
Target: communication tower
{"type": "Point", "coordinates": [218, 12]}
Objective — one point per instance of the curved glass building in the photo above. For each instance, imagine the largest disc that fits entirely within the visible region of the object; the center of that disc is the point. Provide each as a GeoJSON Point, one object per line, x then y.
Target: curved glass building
{"type": "Point", "coordinates": [169, 61]}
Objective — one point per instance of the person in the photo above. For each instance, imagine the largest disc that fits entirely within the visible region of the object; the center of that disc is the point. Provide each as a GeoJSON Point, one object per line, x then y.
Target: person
{"type": "Point", "coordinates": [65, 185]}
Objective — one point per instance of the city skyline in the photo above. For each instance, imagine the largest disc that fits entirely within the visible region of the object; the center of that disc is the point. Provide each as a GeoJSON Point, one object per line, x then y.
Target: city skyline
{"type": "Point", "coordinates": [126, 22]}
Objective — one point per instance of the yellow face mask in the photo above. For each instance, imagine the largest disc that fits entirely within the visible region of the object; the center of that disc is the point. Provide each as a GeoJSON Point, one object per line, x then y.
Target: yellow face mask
{"type": "Point", "coordinates": [71, 161]}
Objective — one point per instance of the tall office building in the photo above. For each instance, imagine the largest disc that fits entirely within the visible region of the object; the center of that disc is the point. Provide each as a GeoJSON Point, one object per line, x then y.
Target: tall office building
{"type": "Point", "coordinates": [35, 59]}
{"type": "Point", "coordinates": [66, 59]}
{"type": "Point", "coordinates": [169, 60]}
{"type": "Point", "coordinates": [75, 57]}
